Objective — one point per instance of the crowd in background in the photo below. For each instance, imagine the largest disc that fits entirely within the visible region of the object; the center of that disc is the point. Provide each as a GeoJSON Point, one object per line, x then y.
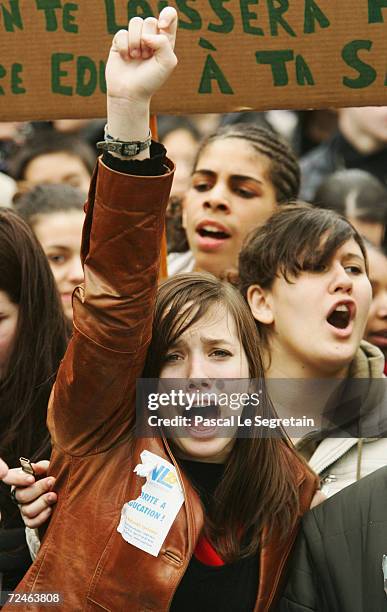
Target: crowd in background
{"type": "Point", "coordinates": [232, 173]}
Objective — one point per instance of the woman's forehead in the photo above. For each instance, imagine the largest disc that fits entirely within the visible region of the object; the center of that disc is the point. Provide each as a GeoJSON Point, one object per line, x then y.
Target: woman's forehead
{"type": "Point", "coordinates": [217, 322]}
{"type": "Point", "coordinates": [236, 155]}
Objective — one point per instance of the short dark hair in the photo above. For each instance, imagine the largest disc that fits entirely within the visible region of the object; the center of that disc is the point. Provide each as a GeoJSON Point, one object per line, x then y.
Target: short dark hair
{"type": "Point", "coordinates": [46, 200]}
{"type": "Point", "coordinates": [54, 143]}
{"type": "Point", "coordinates": [291, 242]}
{"type": "Point", "coordinates": [354, 193]}
{"type": "Point", "coordinates": [296, 238]}
{"type": "Point", "coordinates": [284, 171]}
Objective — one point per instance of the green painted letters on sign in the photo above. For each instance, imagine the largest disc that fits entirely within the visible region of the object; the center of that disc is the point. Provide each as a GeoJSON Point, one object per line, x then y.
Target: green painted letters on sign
{"type": "Point", "coordinates": [212, 72]}
{"type": "Point", "coordinates": [16, 80]}
{"type": "Point", "coordinates": [375, 7]}
{"type": "Point", "coordinates": [247, 16]}
{"type": "Point", "coordinates": [12, 17]}
{"type": "Point", "coordinates": [57, 73]}
{"type": "Point", "coordinates": [111, 24]}
{"type": "Point", "coordinates": [367, 74]}
{"type": "Point", "coordinates": [139, 8]}
{"type": "Point", "coordinates": [87, 76]}
{"type": "Point", "coordinates": [312, 14]}
{"type": "Point", "coordinates": [276, 10]}
{"type": "Point", "coordinates": [303, 73]}
{"type": "Point", "coordinates": [69, 24]}
{"type": "Point", "coordinates": [227, 20]}
{"type": "Point", "coordinates": [3, 72]}
{"type": "Point", "coordinates": [277, 60]}
{"type": "Point", "coordinates": [195, 22]}
{"type": "Point", "coordinates": [49, 7]}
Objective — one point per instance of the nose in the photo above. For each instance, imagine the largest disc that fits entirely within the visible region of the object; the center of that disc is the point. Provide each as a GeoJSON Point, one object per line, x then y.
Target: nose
{"type": "Point", "coordinates": [196, 376]}
{"type": "Point", "coordinates": [341, 281]}
{"type": "Point", "coordinates": [75, 270]}
{"type": "Point", "coordinates": [198, 384]}
{"type": "Point", "coordinates": [217, 199]}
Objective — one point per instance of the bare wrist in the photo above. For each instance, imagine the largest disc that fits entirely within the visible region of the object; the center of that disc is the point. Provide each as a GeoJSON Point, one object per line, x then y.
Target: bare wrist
{"type": "Point", "coordinates": [128, 121]}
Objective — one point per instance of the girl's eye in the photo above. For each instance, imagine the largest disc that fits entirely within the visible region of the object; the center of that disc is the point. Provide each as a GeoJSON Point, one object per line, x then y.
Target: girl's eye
{"type": "Point", "coordinates": [173, 357]}
{"type": "Point", "coordinates": [220, 353]}
{"type": "Point", "coordinates": [201, 186]}
{"type": "Point", "coordinates": [353, 269]}
{"type": "Point", "coordinates": [56, 259]}
{"type": "Point", "coordinates": [245, 193]}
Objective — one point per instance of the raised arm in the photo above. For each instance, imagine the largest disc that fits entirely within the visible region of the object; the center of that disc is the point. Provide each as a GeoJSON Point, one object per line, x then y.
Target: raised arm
{"type": "Point", "coordinates": [92, 407]}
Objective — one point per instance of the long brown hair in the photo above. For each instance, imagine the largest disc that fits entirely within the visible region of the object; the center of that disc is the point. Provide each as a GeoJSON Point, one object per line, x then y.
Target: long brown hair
{"type": "Point", "coordinates": [258, 486]}
{"type": "Point", "coordinates": [39, 344]}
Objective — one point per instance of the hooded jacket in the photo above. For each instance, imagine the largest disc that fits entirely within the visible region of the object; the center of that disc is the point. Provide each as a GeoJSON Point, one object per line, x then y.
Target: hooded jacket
{"type": "Point", "coordinates": [341, 461]}
{"type": "Point", "coordinates": [91, 418]}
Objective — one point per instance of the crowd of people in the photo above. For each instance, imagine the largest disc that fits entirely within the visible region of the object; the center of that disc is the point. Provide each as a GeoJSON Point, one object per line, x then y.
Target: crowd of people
{"type": "Point", "coordinates": [287, 295]}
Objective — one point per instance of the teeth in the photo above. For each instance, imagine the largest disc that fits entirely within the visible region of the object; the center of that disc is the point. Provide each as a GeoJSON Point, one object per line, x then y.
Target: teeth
{"type": "Point", "coordinates": [210, 228]}
{"type": "Point", "coordinates": [342, 308]}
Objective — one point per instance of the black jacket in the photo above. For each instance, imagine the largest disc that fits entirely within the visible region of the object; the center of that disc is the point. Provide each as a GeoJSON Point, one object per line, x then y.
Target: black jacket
{"type": "Point", "coordinates": [337, 562]}
{"type": "Point", "coordinates": [337, 154]}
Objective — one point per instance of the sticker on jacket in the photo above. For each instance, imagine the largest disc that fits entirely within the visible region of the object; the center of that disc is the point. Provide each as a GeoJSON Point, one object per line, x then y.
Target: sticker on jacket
{"type": "Point", "coordinates": [146, 521]}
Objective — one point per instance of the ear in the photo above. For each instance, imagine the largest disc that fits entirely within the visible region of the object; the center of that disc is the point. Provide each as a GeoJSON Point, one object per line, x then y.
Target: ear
{"type": "Point", "coordinates": [260, 304]}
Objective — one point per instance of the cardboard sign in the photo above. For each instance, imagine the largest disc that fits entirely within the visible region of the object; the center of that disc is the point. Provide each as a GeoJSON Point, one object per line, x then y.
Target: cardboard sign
{"type": "Point", "coordinates": [233, 55]}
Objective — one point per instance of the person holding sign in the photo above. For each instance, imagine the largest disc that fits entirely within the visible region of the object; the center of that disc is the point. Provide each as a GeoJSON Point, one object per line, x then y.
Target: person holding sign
{"type": "Point", "coordinates": [146, 523]}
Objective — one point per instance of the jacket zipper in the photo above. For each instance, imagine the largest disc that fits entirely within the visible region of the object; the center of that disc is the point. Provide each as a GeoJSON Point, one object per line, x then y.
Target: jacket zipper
{"type": "Point", "coordinates": [335, 458]}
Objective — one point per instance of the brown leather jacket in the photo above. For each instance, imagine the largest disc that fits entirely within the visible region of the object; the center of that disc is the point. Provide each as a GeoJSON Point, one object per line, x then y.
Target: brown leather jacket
{"type": "Point", "coordinates": [91, 416]}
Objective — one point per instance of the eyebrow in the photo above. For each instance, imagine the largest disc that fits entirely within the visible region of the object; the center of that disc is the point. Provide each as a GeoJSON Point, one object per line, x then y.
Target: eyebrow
{"type": "Point", "coordinates": [204, 340]}
{"type": "Point", "coordinates": [354, 256]}
{"type": "Point", "coordinates": [57, 247]}
{"type": "Point", "coordinates": [237, 177]}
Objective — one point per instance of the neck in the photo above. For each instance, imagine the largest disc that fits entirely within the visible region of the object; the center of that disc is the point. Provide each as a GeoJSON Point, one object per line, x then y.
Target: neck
{"type": "Point", "coordinates": [281, 367]}
{"type": "Point", "coordinates": [298, 389]}
{"type": "Point", "coordinates": [212, 266]}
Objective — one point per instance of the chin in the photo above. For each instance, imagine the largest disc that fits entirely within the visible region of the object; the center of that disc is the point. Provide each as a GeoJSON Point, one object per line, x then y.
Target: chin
{"type": "Point", "coordinates": [339, 359]}
{"type": "Point", "coordinates": [214, 450]}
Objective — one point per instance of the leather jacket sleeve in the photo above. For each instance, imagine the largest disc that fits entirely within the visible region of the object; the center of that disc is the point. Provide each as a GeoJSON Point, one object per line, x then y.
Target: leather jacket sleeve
{"type": "Point", "coordinates": [92, 407]}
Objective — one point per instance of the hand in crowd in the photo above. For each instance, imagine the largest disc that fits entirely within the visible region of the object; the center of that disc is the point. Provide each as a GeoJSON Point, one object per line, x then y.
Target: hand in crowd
{"type": "Point", "coordinates": [34, 496]}
{"type": "Point", "coordinates": [128, 78]}
{"type": "Point", "coordinates": [131, 81]}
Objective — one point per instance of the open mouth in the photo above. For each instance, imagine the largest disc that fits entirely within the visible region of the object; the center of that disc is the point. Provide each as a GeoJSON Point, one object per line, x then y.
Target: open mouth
{"type": "Point", "coordinates": [210, 231]}
{"type": "Point", "coordinates": [207, 412]}
{"type": "Point", "coordinates": [341, 316]}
